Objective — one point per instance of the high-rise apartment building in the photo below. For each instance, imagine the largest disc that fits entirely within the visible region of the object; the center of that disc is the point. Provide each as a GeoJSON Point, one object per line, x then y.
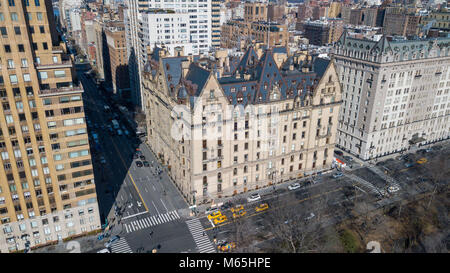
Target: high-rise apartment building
{"type": "Point", "coordinates": [215, 23]}
{"type": "Point", "coordinates": [395, 93]}
{"type": "Point", "coordinates": [200, 32]}
{"type": "Point", "coordinates": [117, 68]}
{"type": "Point", "coordinates": [323, 32]}
{"type": "Point", "coordinates": [47, 189]}
{"type": "Point", "coordinates": [259, 125]}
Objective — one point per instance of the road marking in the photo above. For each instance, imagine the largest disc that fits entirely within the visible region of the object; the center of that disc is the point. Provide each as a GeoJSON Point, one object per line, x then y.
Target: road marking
{"type": "Point", "coordinates": [288, 204]}
{"type": "Point", "coordinates": [154, 188]}
{"type": "Point", "coordinates": [155, 207]}
{"type": "Point", "coordinates": [121, 197]}
{"type": "Point", "coordinates": [134, 215]}
{"type": "Point", "coordinates": [178, 216]}
{"type": "Point", "coordinates": [129, 174]}
{"type": "Point", "coordinates": [164, 205]}
{"type": "Point", "coordinates": [145, 189]}
{"type": "Point", "coordinates": [359, 188]}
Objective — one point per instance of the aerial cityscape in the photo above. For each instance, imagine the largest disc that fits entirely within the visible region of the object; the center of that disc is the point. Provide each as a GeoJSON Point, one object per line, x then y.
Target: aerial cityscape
{"type": "Point", "coordinates": [224, 126]}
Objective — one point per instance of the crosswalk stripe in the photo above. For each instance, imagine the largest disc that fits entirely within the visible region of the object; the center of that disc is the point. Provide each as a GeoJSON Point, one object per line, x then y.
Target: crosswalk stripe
{"type": "Point", "coordinates": [176, 213]}
{"type": "Point", "coordinates": [162, 217]}
{"type": "Point", "coordinates": [148, 222]}
{"type": "Point", "coordinates": [151, 220]}
{"type": "Point", "coordinates": [202, 241]}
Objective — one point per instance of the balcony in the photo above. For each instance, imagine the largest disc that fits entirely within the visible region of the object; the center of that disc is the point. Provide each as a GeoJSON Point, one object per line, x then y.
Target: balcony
{"type": "Point", "coordinates": [60, 91]}
{"type": "Point", "coordinates": [57, 49]}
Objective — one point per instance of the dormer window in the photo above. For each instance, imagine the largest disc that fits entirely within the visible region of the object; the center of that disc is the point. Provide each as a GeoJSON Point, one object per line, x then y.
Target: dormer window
{"type": "Point", "coordinates": [233, 89]}
{"type": "Point", "coordinates": [211, 94]}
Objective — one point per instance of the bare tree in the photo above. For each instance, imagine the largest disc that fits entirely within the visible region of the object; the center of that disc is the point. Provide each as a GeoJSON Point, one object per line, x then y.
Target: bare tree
{"type": "Point", "coordinates": [291, 232]}
{"type": "Point", "coordinates": [438, 170]}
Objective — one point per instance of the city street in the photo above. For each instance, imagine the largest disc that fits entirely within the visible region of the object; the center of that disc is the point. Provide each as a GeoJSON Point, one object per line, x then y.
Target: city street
{"type": "Point", "coordinates": [137, 200]}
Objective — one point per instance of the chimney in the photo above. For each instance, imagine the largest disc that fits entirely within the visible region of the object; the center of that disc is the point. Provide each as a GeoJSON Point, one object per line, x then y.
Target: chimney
{"type": "Point", "coordinates": [185, 66]}
{"type": "Point", "coordinates": [247, 77]}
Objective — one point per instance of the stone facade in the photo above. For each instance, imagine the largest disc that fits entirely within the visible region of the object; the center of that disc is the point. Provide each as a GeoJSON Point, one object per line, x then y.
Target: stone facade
{"type": "Point", "coordinates": [244, 130]}
{"type": "Point", "coordinates": [395, 94]}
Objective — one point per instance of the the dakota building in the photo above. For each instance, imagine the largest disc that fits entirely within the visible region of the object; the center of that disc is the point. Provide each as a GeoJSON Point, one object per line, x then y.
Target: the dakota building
{"type": "Point", "coordinates": [225, 127]}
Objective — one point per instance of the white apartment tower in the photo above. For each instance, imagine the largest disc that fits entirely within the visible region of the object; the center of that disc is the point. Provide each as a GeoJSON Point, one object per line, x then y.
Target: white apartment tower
{"type": "Point", "coordinates": [142, 16]}
{"type": "Point", "coordinates": [395, 94]}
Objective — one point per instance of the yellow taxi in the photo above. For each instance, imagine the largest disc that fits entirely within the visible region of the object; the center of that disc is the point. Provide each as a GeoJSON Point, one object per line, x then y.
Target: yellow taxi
{"type": "Point", "coordinates": [239, 213]}
{"type": "Point", "coordinates": [214, 215]}
{"type": "Point", "coordinates": [262, 207]}
{"type": "Point", "coordinates": [237, 208]}
{"type": "Point", "coordinates": [220, 219]}
{"type": "Point", "coordinates": [422, 160]}
{"type": "Point", "coordinates": [226, 246]}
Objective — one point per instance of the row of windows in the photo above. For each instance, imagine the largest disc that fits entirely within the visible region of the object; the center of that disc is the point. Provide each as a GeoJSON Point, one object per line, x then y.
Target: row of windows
{"type": "Point", "coordinates": [17, 30]}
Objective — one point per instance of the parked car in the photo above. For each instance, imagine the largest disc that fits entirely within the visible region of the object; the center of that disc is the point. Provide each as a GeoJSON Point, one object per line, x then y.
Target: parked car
{"type": "Point", "coordinates": [112, 240]}
{"type": "Point", "coordinates": [226, 205]}
{"type": "Point", "coordinates": [348, 158]}
{"type": "Point", "coordinates": [294, 186]}
{"type": "Point", "coordinates": [211, 210]}
{"type": "Point", "coordinates": [409, 164]}
{"type": "Point", "coordinates": [119, 132]}
{"type": "Point", "coordinates": [254, 197]}
{"type": "Point", "coordinates": [142, 157]}
{"type": "Point", "coordinates": [338, 152]}
{"type": "Point", "coordinates": [146, 164]}
{"type": "Point", "coordinates": [139, 164]}
{"type": "Point", "coordinates": [310, 216]}
{"type": "Point", "coordinates": [337, 175]}
{"type": "Point", "coordinates": [102, 160]}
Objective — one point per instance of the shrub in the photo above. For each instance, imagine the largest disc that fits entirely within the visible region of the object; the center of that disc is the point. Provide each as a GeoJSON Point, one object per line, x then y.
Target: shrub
{"type": "Point", "coordinates": [349, 241]}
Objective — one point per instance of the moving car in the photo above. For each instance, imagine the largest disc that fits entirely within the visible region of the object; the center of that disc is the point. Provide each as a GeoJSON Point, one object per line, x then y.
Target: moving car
{"type": "Point", "coordinates": [393, 189]}
{"type": "Point", "coordinates": [337, 175]}
{"type": "Point", "coordinates": [146, 164]}
{"type": "Point", "coordinates": [423, 160]}
{"type": "Point", "coordinates": [102, 160]}
{"type": "Point", "coordinates": [409, 164]}
{"type": "Point", "coordinates": [294, 186]}
{"type": "Point", "coordinates": [214, 215]}
{"type": "Point", "coordinates": [237, 208]}
{"type": "Point", "coordinates": [220, 219]}
{"type": "Point", "coordinates": [253, 197]}
{"type": "Point", "coordinates": [142, 157]}
{"type": "Point", "coordinates": [139, 164]}
{"type": "Point", "coordinates": [119, 132]}
{"type": "Point", "coordinates": [338, 152]}
{"type": "Point", "coordinates": [226, 205]}
{"type": "Point", "coordinates": [239, 213]}
{"type": "Point", "coordinates": [226, 246]}
{"type": "Point", "coordinates": [112, 240]}
{"type": "Point", "coordinates": [261, 207]}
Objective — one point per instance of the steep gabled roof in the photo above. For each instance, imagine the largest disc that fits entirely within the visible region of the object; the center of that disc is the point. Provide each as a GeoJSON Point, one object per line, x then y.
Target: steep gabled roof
{"type": "Point", "coordinates": [247, 62]}
{"type": "Point", "coordinates": [172, 70]}
{"type": "Point", "coordinates": [198, 76]}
